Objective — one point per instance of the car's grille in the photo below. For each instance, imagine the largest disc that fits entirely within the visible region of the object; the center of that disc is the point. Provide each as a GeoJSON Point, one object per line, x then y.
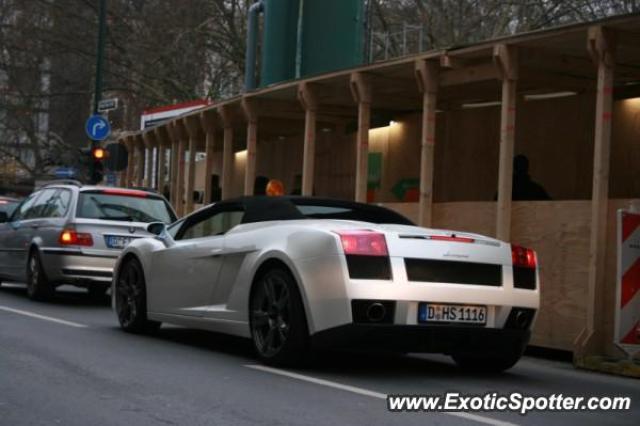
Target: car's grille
{"type": "Point", "coordinates": [445, 271]}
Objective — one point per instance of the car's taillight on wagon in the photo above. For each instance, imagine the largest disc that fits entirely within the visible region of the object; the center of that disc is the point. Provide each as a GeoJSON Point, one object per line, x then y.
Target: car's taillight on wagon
{"type": "Point", "coordinates": [525, 263]}
{"type": "Point", "coordinates": [366, 253]}
{"type": "Point", "coordinates": [72, 238]}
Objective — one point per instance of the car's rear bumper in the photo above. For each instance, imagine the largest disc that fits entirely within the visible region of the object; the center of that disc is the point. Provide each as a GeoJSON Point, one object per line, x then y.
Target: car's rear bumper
{"type": "Point", "coordinates": [74, 266]}
{"type": "Point", "coordinates": [445, 339]}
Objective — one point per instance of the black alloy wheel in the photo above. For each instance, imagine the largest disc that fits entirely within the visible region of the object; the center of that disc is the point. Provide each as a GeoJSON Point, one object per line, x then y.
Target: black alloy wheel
{"type": "Point", "coordinates": [131, 299]}
{"type": "Point", "coordinates": [38, 287]}
{"type": "Point", "coordinates": [278, 324]}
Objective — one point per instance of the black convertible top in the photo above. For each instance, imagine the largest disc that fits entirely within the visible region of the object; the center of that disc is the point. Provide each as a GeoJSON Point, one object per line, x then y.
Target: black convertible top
{"type": "Point", "coordinates": [266, 208]}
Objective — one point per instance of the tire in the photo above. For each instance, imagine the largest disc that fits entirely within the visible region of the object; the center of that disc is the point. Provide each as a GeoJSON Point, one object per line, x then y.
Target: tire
{"type": "Point", "coordinates": [277, 319]}
{"type": "Point", "coordinates": [486, 364]}
{"type": "Point", "coordinates": [97, 291]}
{"type": "Point", "coordinates": [131, 299]}
{"type": "Point", "coordinates": [38, 287]}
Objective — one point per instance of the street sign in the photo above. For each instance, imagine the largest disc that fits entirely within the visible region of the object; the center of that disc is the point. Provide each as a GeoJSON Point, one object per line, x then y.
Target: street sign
{"type": "Point", "coordinates": [64, 172]}
{"type": "Point", "coordinates": [107, 104]}
{"type": "Point", "coordinates": [111, 179]}
{"type": "Point", "coordinates": [97, 128]}
{"type": "Point", "coordinates": [627, 308]}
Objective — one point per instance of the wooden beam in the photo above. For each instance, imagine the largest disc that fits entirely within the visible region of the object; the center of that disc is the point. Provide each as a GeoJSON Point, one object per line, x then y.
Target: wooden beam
{"type": "Point", "coordinates": [208, 120]}
{"type": "Point", "coordinates": [150, 143]}
{"type": "Point", "coordinates": [227, 151]}
{"type": "Point", "coordinates": [164, 142]}
{"type": "Point", "coordinates": [194, 130]}
{"type": "Point", "coordinates": [180, 133]}
{"type": "Point", "coordinates": [131, 152]}
{"type": "Point", "coordinates": [469, 74]}
{"type": "Point", "coordinates": [506, 60]}
{"type": "Point", "coordinates": [251, 115]}
{"type": "Point", "coordinates": [602, 48]}
{"type": "Point", "coordinates": [140, 159]}
{"type": "Point", "coordinates": [307, 95]}
{"type": "Point", "coordinates": [361, 91]}
{"type": "Point", "coordinates": [427, 79]}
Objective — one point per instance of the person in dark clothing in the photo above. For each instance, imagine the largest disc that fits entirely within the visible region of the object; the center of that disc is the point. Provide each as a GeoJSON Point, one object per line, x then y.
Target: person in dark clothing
{"type": "Point", "coordinates": [260, 185]}
{"type": "Point", "coordinates": [523, 187]}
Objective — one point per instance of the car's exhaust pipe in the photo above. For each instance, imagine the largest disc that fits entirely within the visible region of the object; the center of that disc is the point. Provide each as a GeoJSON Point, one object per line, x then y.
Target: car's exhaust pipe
{"type": "Point", "coordinates": [376, 312]}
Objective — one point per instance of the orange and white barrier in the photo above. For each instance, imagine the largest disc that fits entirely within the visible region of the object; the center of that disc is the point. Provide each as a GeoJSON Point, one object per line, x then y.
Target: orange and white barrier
{"type": "Point", "coordinates": [627, 332]}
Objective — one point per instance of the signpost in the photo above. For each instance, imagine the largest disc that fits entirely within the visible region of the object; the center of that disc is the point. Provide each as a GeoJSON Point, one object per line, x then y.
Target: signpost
{"type": "Point", "coordinates": [627, 329]}
{"type": "Point", "coordinates": [107, 104]}
{"type": "Point", "coordinates": [64, 172]}
{"type": "Point", "coordinates": [97, 128]}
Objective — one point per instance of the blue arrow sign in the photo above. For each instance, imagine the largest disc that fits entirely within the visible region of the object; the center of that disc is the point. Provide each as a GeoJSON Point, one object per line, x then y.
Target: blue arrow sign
{"type": "Point", "coordinates": [64, 172]}
{"type": "Point", "coordinates": [97, 128]}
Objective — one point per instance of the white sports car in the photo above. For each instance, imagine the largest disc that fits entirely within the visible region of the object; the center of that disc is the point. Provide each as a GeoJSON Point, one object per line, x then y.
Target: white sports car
{"type": "Point", "coordinates": [294, 273]}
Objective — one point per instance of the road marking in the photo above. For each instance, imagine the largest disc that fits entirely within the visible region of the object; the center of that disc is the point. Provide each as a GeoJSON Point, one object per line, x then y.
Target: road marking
{"type": "Point", "coordinates": [43, 317]}
{"type": "Point", "coordinates": [372, 394]}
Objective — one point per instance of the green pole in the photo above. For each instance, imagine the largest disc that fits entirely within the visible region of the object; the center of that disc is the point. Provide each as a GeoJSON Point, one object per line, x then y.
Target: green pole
{"type": "Point", "coordinates": [102, 27]}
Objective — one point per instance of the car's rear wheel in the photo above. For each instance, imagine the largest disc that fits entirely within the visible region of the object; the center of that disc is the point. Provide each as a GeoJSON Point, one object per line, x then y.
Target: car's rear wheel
{"type": "Point", "coordinates": [38, 287]}
{"type": "Point", "coordinates": [131, 299]}
{"type": "Point", "coordinates": [486, 363]}
{"type": "Point", "coordinates": [278, 323]}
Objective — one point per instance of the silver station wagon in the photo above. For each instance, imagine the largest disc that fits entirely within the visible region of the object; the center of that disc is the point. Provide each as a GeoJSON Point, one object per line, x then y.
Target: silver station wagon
{"type": "Point", "coordinates": [72, 234]}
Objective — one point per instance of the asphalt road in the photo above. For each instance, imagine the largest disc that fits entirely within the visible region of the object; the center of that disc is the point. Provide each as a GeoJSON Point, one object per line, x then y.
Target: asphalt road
{"type": "Point", "coordinates": [67, 363]}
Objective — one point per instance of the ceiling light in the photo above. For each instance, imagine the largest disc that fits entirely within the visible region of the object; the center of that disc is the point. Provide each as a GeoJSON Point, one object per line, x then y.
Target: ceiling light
{"type": "Point", "coordinates": [481, 104]}
{"type": "Point", "coordinates": [551, 95]}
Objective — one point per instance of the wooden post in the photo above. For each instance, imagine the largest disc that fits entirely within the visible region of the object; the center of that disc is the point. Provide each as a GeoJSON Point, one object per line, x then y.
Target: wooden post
{"type": "Point", "coordinates": [227, 151]}
{"type": "Point", "coordinates": [208, 123]}
{"type": "Point", "coordinates": [149, 138]}
{"type": "Point", "coordinates": [175, 145]}
{"type": "Point", "coordinates": [309, 100]}
{"type": "Point", "coordinates": [163, 143]}
{"type": "Point", "coordinates": [601, 46]}
{"type": "Point", "coordinates": [139, 144]}
{"type": "Point", "coordinates": [251, 115]}
{"type": "Point", "coordinates": [361, 92]}
{"type": "Point", "coordinates": [191, 124]}
{"type": "Point", "coordinates": [506, 60]}
{"type": "Point", "coordinates": [181, 135]}
{"type": "Point", "coordinates": [131, 151]}
{"type": "Point", "coordinates": [427, 79]}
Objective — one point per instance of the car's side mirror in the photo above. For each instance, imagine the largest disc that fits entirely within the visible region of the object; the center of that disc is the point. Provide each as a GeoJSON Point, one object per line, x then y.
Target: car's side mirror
{"type": "Point", "coordinates": [156, 228]}
{"type": "Point", "coordinates": [4, 217]}
{"type": "Point", "coordinates": [159, 229]}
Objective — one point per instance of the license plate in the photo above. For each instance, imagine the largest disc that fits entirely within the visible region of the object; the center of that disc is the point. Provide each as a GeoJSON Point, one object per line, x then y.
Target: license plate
{"type": "Point", "coordinates": [116, 241]}
{"type": "Point", "coordinates": [461, 314]}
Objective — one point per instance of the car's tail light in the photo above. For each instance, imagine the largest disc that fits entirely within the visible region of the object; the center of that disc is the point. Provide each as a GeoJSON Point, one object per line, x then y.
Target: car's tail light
{"type": "Point", "coordinates": [125, 192]}
{"type": "Point", "coordinates": [451, 238]}
{"type": "Point", "coordinates": [72, 238]}
{"type": "Point", "coordinates": [524, 262]}
{"type": "Point", "coordinates": [363, 243]}
{"type": "Point", "coordinates": [523, 257]}
{"type": "Point", "coordinates": [366, 253]}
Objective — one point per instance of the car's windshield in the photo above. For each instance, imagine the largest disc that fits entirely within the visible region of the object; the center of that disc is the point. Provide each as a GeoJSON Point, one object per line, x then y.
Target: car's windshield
{"type": "Point", "coordinates": [120, 206]}
{"type": "Point", "coordinates": [346, 211]}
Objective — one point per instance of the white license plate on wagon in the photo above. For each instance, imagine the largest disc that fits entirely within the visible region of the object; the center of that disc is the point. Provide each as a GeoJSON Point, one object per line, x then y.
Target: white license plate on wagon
{"type": "Point", "coordinates": [459, 314]}
{"type": "Point", "coordinates": [117, 241]}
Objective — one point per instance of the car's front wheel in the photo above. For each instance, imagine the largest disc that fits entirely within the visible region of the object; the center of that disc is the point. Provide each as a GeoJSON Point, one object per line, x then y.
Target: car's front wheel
{"type": "Point", "coordinates": [131, 299]}
{"type": "Point", "coordinates": [38, 287]}
{"type": "Point", "coordinates": [278, 323]}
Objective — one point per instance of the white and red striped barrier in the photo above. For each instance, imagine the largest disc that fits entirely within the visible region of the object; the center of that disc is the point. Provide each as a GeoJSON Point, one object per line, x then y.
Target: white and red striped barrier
{"type": "Point", "coordinates": [627, 332]}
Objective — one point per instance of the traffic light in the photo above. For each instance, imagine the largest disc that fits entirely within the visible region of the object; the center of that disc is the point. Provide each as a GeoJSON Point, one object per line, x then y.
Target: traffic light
{"type": "Point", "coordinates": [98, 154]}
